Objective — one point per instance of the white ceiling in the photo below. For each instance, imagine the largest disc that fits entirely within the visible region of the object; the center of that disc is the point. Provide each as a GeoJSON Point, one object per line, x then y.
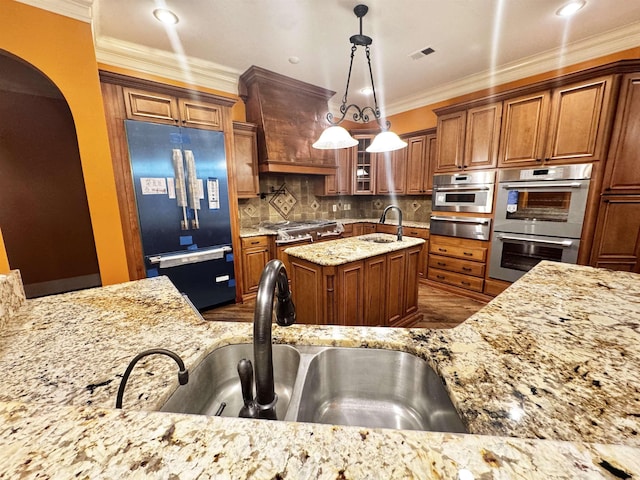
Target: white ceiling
{"type": "Point", "coordinates": [477, 42]}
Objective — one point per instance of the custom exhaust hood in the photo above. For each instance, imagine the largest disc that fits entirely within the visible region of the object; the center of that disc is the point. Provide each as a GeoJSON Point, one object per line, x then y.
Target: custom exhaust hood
{"type": "Point", "coordinates": [290, 116]}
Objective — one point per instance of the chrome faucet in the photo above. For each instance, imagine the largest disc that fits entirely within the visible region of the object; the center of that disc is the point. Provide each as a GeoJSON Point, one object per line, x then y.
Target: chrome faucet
{"type": "Point", "coordinates": [274, 278]}
{"type": "Point", "coordinates": [183, 374]}
{"type": "Point", "coordinates": [384, 217]}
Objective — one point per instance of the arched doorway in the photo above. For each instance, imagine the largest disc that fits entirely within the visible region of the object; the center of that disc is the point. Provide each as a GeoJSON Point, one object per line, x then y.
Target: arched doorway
{"type": "Point", "coordinates": [44, 215]}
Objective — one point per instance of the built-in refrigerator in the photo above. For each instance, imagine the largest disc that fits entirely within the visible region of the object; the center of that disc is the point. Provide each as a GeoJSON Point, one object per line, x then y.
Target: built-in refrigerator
{"type": "Point", "coordinates": [181, 190]}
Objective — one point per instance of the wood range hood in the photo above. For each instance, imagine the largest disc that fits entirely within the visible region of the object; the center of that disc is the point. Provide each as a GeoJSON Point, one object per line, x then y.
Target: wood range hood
{"type": "Point", "coordinates": [290, 116]}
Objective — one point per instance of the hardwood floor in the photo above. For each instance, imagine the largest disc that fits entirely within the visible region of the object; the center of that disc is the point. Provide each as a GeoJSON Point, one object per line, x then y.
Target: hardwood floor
{"type": "Point", "coordinates": [439, 309]}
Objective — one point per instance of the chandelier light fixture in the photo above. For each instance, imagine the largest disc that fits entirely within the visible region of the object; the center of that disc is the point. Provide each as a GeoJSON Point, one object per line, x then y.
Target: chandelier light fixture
{"type": "Point", "coordinates": [336, 136]}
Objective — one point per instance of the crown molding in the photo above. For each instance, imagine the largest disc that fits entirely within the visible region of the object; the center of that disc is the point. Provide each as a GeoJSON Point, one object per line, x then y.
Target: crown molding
{"type": "Point", "coordinates": [77, 9]}
{"type": "Point", "coordinates": [588, 49]}
{"type": "Point", "coordinates": [192, 71]}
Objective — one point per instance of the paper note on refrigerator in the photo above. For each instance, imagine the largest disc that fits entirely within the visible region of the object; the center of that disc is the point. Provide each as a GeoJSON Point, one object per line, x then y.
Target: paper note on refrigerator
{"type": "Point", "coordinates": [213, 189]}
{"type": "Point", "coordinates": [153, 186]}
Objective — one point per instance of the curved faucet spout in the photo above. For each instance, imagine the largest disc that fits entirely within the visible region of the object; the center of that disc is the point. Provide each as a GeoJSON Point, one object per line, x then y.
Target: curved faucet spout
{"type": "Point", "coordinates": [384, 217]}
{"type": "Point", "coordinates": [274, 277]}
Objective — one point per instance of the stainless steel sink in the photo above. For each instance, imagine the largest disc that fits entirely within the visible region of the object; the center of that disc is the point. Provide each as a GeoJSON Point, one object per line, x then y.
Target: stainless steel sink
{"type": "Point", "coordinates": [376, 388]}
{"type": "Point", "coordinates": [378, 239]}
{"type": "Point", "coordinates": [343, 386]}
{"type": "Point", "coordinates": [215, 380]}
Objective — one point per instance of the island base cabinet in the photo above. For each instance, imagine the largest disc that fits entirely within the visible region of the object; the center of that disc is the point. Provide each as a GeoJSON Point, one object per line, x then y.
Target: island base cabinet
{"type": "Point", "coordinates": [377, 291]}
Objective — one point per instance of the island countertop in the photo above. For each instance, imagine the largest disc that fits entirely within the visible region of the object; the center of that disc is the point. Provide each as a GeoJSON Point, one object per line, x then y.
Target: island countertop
{"type": "Point", "coordinates": [352, 249]}
{"type": "Point", "coordinates": [555, 356]}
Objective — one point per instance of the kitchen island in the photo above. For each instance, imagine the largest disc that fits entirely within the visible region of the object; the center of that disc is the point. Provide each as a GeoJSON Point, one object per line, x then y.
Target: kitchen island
{"type": "Point", "coordinates": [367, 280]}
{"type": "Point", "coordinates": [545, 377]}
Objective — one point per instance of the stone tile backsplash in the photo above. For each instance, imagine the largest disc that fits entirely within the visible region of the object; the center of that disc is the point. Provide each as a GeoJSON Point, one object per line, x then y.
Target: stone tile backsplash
{"type": "Point", "coordinates": [292, 197]}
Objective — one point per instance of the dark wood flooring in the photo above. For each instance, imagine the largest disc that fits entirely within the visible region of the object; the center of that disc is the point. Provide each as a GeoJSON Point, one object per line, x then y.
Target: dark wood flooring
{"type": "Point", "coordinates": [439, 309]}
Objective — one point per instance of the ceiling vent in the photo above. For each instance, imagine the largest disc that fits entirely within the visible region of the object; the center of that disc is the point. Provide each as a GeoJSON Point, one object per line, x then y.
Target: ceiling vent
{"type": "Point", "coordinates": [421, 53]}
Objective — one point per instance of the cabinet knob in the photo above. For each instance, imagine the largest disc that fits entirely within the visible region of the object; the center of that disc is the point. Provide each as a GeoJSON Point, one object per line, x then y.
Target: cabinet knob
{"type": "Point", "coordinates": [539, 160]}
{"type": "Point", "coordinates": [459, 167]}
{"type": "Point", "coordinates": [468, 254]}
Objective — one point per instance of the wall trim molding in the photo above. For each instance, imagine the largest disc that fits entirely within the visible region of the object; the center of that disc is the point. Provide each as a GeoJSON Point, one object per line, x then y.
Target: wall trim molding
{"type": "Point", "coordinates": [77, 9]}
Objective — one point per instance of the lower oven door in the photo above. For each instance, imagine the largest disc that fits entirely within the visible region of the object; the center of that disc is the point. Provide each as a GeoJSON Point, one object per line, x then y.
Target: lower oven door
{"type": "Point", "coordinates": [512, 255]}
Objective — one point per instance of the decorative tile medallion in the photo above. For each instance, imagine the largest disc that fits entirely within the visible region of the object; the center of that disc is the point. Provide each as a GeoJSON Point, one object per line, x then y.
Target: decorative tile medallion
{"type": "Point", "coordinates": [315, 205]}
{"type": "Point", "coordinates": [377, 204]}
{"type": "Point", "coordinates": [415, 205]}
{"type": "Point", "coordinates": [250, 210]}
{"type": "Point", "coordinates": [283, 201]}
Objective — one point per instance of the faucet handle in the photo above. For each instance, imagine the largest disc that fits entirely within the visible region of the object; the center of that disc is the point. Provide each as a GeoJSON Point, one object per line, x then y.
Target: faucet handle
{"type": "Point", "coordinates": [245, 371]}
{"type": "Point", "coordinates": [285, 310]}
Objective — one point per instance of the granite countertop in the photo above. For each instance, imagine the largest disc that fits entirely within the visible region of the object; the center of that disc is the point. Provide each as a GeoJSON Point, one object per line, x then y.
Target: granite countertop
{"type": "Point", "coordinates": [554, 357]}
{"type": "Point", "coordinates": [346, 250]}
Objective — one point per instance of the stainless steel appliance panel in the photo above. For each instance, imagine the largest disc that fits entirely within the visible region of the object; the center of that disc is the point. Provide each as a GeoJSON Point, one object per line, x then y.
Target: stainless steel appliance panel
{"type": "Point", "coordinates": [464, 192]}
{"type": "Point", "coordinates": [512, 255]}
{"type": "Point", "coordinates": [462, 227]}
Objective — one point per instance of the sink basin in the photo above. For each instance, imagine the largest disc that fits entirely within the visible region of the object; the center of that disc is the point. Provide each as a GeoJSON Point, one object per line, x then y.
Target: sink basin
{"type": "Point", "coordinates": [376, 388]}
{"type": "Point", "coordinates": [371, 388]}
{"type": "Point", "coordinates": [379, 239]}
{"type": "Point", "coordinates": [215, 380]}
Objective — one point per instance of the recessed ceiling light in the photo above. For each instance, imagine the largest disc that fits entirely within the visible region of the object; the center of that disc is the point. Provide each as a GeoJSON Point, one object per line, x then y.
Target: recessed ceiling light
{"type": "Point", "coordinates": [165, 16]}
{"type": "Point", "coordinates": [366, 90]}
{"type": "Point", "coordinates": [294, 60]}
{"type": "Point", "coordinates": [570, 8]}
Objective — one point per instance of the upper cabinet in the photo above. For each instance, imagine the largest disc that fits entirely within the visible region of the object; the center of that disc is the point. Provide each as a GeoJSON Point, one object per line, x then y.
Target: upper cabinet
{"type": "Point", "coordinates": [339, 183]}
{"type": "Point", "coordinates": [364, 167]}
{"type": "Point", "coordinates": [391, 168]}
{"type": "Point", "coordinates": [246, 159]}
{"type": "Point", "coordinates": [568, 124]}
{"type": "Point", "coordinates": [622, 172]}
{"type": "Point", "coordinates": [421, 151]}
{"type": "Point", "coordinates": [468, 139]}
{"type": "Point", "coordinates": [161, 108]}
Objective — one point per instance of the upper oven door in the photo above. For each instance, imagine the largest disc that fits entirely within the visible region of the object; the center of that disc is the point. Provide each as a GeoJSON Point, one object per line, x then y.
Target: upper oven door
{"type": "Point", "coordinates": [462, 198]}
{"type": "Point", "coordinates": [553, 208]}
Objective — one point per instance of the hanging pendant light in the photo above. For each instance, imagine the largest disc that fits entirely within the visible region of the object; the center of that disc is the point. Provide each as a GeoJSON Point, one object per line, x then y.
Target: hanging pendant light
{"type": "Point", "coordinates": [336, 136]}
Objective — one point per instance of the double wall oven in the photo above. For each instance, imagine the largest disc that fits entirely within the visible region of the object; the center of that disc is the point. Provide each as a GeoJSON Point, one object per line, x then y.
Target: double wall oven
{"type": "Point", "coordinates": [539, 216]}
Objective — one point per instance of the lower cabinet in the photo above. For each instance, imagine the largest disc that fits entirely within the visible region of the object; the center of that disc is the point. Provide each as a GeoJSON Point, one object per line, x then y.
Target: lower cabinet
{"type": "Point", "coordinates": [458, 262]}
{"type": "Point", "coordinates": [616, 243]}
{"type": "Point", "coordinates": [377, 291]}
{"type": "Point", "coordinates": [411, 232]}
{"type": "Point", "coordinates": [256, 253]}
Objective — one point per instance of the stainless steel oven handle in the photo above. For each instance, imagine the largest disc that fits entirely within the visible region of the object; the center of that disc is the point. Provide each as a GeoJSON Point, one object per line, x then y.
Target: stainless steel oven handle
{"type": "Point", "coordinates": [456, 188]}
{"type": "Point", "coordinates": [560, 243]}
{"type": "Point", "coordinates": [510, 186]}
{"type": "Point", "coordinates": [479, 221]}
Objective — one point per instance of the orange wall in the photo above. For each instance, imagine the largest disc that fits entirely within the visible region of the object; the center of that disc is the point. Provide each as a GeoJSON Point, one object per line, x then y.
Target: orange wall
{"type": "Point", "coordinates": [62, 48]}
{"type": "Point", "coordinates": [4, 261]}
{"type": "Point", "coordinates": [423, 117]}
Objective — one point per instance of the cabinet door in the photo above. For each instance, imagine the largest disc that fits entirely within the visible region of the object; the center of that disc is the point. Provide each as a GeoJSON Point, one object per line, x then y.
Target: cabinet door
{"type": "Point", "coordinates": [200, 114]}
{"type": "Point", "coordinates": [255, 255]}
{"type": "Point", "coordinates": [390, 172]}
{"type": "Point", "coordinates": [364, 167]}
{"type": "Point", "coordinates": [374, 283]}
{"type": "Point", "coordinates": [350, 294]}
{"type": "Point", "coordinates": [431, 155]}
{"type": "Point", "coordinates": [450, 145]}
{"type": "Point", "coordinates": [524, 129]}
{"type": "Point", "coordinates": [246, 159]}
{"type": "Point", "coordinates": [417, 164]}
{"type": "Point", "coordinates": [150, 107]}
{"type": "Point", "coordinates": [622, 172]}
{"type": "Point", "coordinates": [412, 267]}
{"type": "Point", "coordinates": [617, 239]}
{"type": "Point", "coordinates": [482, 136]}
{"type": "Point", "coordinates": [578, 122]}
{"type": "Point", "coordinates": [396, 278]}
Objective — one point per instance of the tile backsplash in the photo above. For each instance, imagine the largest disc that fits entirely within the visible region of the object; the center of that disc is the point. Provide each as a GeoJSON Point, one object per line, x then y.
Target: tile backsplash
{"type": "Point", "coordinates": [291, 197]}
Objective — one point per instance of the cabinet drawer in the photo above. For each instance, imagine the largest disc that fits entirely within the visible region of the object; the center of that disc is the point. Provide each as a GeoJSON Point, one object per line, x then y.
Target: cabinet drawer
{"type": "Point", "coordinates": [477, 254]}
{"type": "Point", "coordinates": [456, 265]}
{"type": "Point", "coordinates": [463, 281]}
{"type": "Point", "coordinates": [255, 242]}
{"type": "Point", "coordinates": [416, 232]}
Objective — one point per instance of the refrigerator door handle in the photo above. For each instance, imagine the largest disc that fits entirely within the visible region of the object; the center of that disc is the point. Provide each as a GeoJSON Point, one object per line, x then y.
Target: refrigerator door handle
{"type": "Point", "coordinates": [194, 190]}
{"type": "Point", "coordinates": [176, 259]}
{"type": "Point", "coordinates": [181, 189]}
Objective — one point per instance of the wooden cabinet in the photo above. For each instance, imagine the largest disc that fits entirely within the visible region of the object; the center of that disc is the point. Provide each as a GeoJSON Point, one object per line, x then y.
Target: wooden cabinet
{"type": "Point", "coordinates": [246, 159]}
{"type": "Point", "coordinates": [161, 108]}
{"type": "Point", "coordinates": [339, 183]}
{"type": "Point", "coordinates": [617, 239]}
{"type": "Point", "coordinates": [364, 167]}
{"type": "Point", "coordinates": [391, 170]}
{"type": "Point", "coordinates": [421, 150]}
{"type": "Point", "coordinates": [568, 124]}
{"type": "Point", "coordinates": [378, 291]}
{"type": "Point", "coordinates": [256, 253]}
{"type": "Point", "coordinates": [622, 171]}
{"type": "Point", "coordinates": [469, 139]}
{"type": "Point", "coordinates": [458, 262]}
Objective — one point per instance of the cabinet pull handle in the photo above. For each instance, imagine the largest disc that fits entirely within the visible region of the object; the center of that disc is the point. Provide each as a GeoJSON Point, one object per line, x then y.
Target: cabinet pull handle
{"type": "Point", "coordinates": [467, 284]}
{"type": "Point", "coordinates": [442, 249]}
{"type": "Point", "coordinates": [442, 264]}
{"type": "Point", "coordinates": [441, 277]}
{"type": "Point", "coordinates": [255, 243]}
{"type": "Point", "coordinates": [468, 254]}
{"type": "Point", "coordinates": [466, 269]}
